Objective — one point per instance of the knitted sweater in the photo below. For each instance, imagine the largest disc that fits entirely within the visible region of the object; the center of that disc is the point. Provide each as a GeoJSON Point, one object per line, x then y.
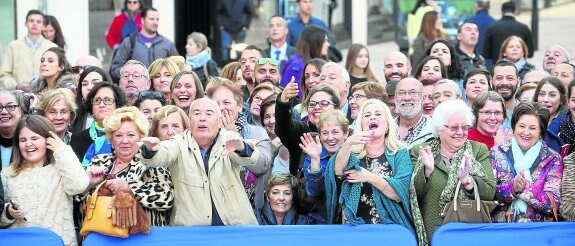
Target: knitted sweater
{"type": "Point", "coordinates": [45, 194]}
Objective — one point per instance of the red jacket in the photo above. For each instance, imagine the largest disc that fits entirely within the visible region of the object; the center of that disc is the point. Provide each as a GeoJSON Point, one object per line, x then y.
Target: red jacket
{"type": "Point", "coordinates": [114, 35]}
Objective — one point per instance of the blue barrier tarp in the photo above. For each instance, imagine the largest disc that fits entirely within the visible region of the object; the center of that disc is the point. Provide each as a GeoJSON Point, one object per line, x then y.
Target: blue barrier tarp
{"type": "Point", "coordinates": [29, 236]}
{"type": "Point", "coordinates": [520, 234]}
{"type": "Point", "coordinates": [264, 235]}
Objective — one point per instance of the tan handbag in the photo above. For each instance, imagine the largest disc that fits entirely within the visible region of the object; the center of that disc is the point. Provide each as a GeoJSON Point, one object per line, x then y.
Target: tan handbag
{"type": "Point", "coordinates": [468, 211]}
{"type": "Point", "coordinates": [98, 218]}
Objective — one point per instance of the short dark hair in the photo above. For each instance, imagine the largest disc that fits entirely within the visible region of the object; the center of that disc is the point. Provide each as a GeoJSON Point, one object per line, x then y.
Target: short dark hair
{"type": "Point", "coordinates": [532, 108]}
{"type": "Point", "coordinates": [118, 95]}
{"type": "Point", "coordinates": [475, 72]}
{"type": "Point", "coordinates": [508, 7]}
{"type": "Point", "coordinates": [258, 49]}
{"type": "Point", "coordinates": [505, 64]}
{"type": "Point", "coordinates": [126, 5]}
{"type": "Point", "coordinates": [466, 22]}
{"type": "Point", "coordinates": [36, 12]}
{"type": "Point", "coordinates": [426, 59]}
{"type": "Point", "coordinates": [149, 95]}
{"type": "Point", "coordinates": [146, 10]}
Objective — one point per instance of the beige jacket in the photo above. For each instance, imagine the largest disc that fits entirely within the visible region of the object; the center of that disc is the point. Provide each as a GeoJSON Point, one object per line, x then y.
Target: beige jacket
{"type": "Point", "coordinates": [20, 63]}
{"type": "Point", "coordinates": [194, 190]}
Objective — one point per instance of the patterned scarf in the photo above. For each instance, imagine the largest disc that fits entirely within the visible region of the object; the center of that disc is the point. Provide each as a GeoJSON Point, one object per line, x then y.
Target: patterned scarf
{"type": "Point", "coordinates": [447, 194]}
{"type": "Point", "coordinates": [101, 144]}
{"type": "Point", "coordinates": [567, 129]}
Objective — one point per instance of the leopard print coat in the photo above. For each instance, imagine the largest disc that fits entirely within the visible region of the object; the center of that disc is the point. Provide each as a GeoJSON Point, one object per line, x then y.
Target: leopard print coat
{"type": "Point", "coordinates": [152, 187]}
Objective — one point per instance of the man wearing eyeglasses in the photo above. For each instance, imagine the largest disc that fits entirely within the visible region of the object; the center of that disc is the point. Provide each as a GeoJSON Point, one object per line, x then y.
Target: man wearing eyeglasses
{"type": "Point", "coordinates": [134, 79]}
{"type": "Point", "coordinates": [267, 71]}
{"type": "Point", "coordinates": [83, 63]}
{"type": "Point", "coordinates": [21, 61]}
{"type": "Point", "coordinates": [414, 126]}
{"type": "Point", "coordinates": [148, 44]}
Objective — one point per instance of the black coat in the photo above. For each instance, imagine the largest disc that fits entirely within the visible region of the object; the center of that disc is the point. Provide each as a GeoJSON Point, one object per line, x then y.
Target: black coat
{"type": "Point", "coordinates": [289, 131]}
{"type": "Point", "coordinates": [500, 30]}
{"type": "Point", "coordinates": [210, 67]}
{"type": "Point", "coordinates": [80, 142]}
{"type": "Point", "coordinates": [265, 216]}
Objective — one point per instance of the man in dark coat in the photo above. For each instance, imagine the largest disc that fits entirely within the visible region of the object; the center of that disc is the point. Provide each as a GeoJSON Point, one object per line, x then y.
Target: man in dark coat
{"type": "Point", "coordinates": [500, 30]}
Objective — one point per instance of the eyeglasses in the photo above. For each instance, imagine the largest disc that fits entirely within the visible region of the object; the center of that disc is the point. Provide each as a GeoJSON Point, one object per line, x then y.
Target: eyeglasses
{"type": "Point", "coordinates": [257, 99]}
{"type": "Point", "coordinates": [9, 108]}
{"type": "Point", "coordinates": [54, 113]}
{"type": "Point", "coordinates": [412, 93]}
{"type": "Point", "coordinates": [262, 61]}
{"type": "Point", "coordinates": [455, 128]}
{"type": "Point", "coordinates": [322, 104]}
{"type": "Point", "coordinates": [491, 113]}
{"type": "Point", "coordinates": [106, 100]}
{"type": "Point", "coordinates": [356, 97]}
{"type": "Point", "coordinates": [79, 69]}
{"type": "Point", "coordinates": [134, 76]}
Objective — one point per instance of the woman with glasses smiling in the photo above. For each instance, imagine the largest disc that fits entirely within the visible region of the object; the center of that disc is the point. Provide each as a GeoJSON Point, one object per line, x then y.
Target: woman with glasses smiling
{"type": "Point", "coordinates": [527, 172]}
{"type": "Point", "coordinates": [443, 162]}
{"type": "Point", "coordinates": [100, 102]}
{"type": "Point", "coordinates": [489, 112]}
{"type": "Point", "coordinates": [259, 94]}
{"type": "Point", "coordinates": [10, 113]}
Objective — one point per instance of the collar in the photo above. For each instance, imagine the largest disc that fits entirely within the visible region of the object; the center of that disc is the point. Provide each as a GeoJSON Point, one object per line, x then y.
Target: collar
{"type": "Point", "coordinates": [282, 48]}
{"type": "Point", "coordinates": [192, 143]}
{"type": "Point", "coordinates": [33, 44]}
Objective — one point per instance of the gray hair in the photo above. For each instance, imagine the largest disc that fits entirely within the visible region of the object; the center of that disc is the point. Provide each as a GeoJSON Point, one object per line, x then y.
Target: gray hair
{"type": "Point", "coordinates": [447, 109]}
{"type": "Point", "coordinates": [451, 83]}
{"type": "Point", "coordinates": [136, 62]}
{"type": "Point", "coordinates": [344, 73]}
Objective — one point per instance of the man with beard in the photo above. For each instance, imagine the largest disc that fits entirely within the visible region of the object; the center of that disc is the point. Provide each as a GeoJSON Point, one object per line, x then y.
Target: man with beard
{"type": "Point", "coordinates": [248, 59]}
{"type": "Point", "coordinates": [395, 66]}
{"type": "Point", "coordinates": [148, 44]}
{"type": "Point", "coordinates": [505, 83]}
{"type": "Point", "coordinates": [554, 55]}
{"type": "Point", "coordinates": [467, 37]}
{"type": "Point", "coordinates": [267, 71]}
{"type": "Point", "coordinates": [134, 78]}
{"type": "Point", "coordinates": [414, 126]}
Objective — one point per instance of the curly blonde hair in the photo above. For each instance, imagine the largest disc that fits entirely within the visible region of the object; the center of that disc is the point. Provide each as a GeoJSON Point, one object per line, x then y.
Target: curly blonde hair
{"type": "Point", "coordinates": [126, 114]}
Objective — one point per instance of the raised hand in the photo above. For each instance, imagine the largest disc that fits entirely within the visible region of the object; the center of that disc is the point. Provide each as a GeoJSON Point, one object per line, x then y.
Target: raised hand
{"type": "Point", "coordinates": [151, 143]}
{"type": "Point", "coordinates": [464, 168]}
{"type": "Point", "coordinates": [426, 158]}
{"type": "Point", "coordinates": [290, 91]}
{"type": "Point", "coordinates": [227, 122]}
{"type": "Point", "coordinates": [234, 143]}
{"type": "Point", "coordinates": [362, 137]}
{"type": "Point", "coordinates": [54, 142]}
{"type": "Point", "coordinates": [310, 145]}
{"type": "Point", "coordinates": [502, 135]}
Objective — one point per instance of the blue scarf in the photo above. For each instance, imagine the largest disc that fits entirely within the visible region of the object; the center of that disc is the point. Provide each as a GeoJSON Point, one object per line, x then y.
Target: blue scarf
{"type": "Point", "coordinates": [101, 144]}
{"type": "Point", "coordinates": [519, 64]}
{"type": "Point", "coordinates": [389, 211]}
{"type": "Point", "coordinates": [198, 60]}
{"type": "Point", "coordinates": [523, 162]}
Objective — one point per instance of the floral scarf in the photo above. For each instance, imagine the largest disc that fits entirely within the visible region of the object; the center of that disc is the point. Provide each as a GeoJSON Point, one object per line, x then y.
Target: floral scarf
{"type": "Point", "coordinates": [101, 144]}
{"type": "Point", "coordinates": [447, 194]}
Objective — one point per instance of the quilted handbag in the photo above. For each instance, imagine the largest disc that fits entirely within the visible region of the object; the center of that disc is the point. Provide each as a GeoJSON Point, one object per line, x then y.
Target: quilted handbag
{"type": "Point", "coordinates": [98, 218]}
{"type": "Point", "coordinates": [468, 211]}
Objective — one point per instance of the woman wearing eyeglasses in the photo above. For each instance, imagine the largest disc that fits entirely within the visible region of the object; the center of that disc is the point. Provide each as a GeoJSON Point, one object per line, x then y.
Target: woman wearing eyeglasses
{"type": "Point", "coordinates": [321, 98]}
{"type": "Point", "coordinates": [125, 23]}
{"type": "Point", "coordinates": [527, 172]}
{"type": "Point", "coordinates": [10, 112]}
{"type": "Point", "coordinates": [443, 162]}
{"type": "Point", "coordinates": [59, 108]}
{"type": "Point", "coordinates": [100, 102]}
{"type": "Point", "coordinates": [259, 94]}
{"type": "Point", "coordinates": [89, 77]}
{"type": "Point", "coordinates": [489, 112]}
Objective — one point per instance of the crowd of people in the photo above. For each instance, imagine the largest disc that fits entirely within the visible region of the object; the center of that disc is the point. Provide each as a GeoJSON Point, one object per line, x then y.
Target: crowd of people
{"type": "Point", "coordinates": [285, 136]}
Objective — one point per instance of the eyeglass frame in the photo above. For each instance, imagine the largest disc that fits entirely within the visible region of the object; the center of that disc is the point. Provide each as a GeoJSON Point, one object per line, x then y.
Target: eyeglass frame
{"type": "Point", "coordinates": [356, 97]}
{"type": "Point", "coordinates": [127, 76]}
{"type": "Point", "coordinates": [102, 100]}
{"type": "Point", "coordinates": [456, 128]}
{"type": "Point", "coordinates": [490, 113]}
{"type": "Point", "coordinates": [309, 105]}
{"type": "Point", "coordinates": [13, 106]}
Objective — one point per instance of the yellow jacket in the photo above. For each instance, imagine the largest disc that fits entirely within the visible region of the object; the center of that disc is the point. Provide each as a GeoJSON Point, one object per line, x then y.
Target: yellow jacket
{"type": "Point", "coordinates": [20, 63]}
{"type": "Point", "coordinates": [194, 189]}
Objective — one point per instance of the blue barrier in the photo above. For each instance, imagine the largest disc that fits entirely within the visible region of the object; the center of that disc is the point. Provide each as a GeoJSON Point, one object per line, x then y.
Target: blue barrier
{"type": "Point", "coordinates": [523, 234]}
{"type": "Point", "coordinates": [264, 235]}
{"type": "Point", "coordinates": [29, 236]}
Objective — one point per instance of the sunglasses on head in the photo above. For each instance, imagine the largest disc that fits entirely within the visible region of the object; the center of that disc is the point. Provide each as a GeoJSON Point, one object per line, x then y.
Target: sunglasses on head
{"type": "Point", "coordinates": [79, 69]}
{"type": "Point", "coordinates": [262, 61]}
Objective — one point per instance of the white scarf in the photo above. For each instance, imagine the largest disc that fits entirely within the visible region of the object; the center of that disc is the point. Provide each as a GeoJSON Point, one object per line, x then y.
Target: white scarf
{"type": "Point", "coordinates": [523, 162]}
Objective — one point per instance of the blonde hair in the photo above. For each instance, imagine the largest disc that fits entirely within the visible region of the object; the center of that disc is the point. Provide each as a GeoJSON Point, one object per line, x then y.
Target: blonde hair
{"type": "Point", "coordinates": [162, 113]}
{"type": "Point", "coordinates": [51, 97]}
{"type": "Point", "coordinates": [333, 116]}
{"type": "Point", "coordinates": [157, 65]}
{"type": "Point", "coordinates": [126, 114]}
{"type": "Point", "coordinates": [392, 141]}
{"type": "Point", "coordinates": [180, 62]}
{"type": "Point", "coordinates": [200, 39]}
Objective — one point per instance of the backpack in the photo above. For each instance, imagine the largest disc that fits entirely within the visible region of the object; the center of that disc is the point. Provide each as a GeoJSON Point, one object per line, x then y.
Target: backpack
{"type": "Point", "coordinates": [132, 37]}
